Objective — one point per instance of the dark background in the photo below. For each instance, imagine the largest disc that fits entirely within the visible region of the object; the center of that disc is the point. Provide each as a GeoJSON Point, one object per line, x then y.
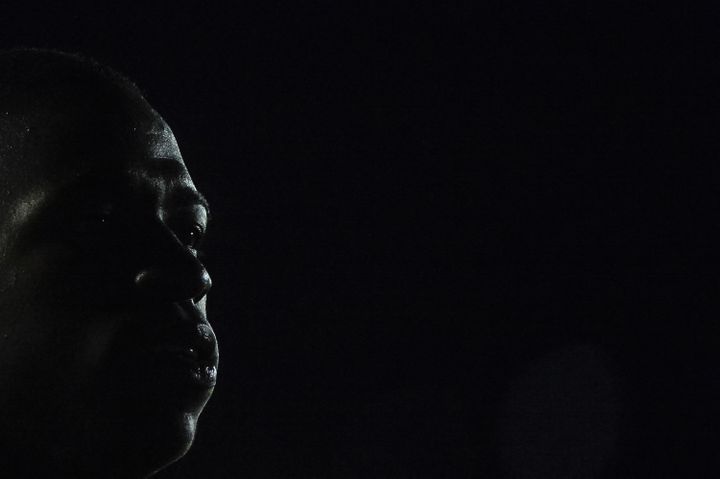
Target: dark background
{"type": "Point", "coordinates": [466, 240]}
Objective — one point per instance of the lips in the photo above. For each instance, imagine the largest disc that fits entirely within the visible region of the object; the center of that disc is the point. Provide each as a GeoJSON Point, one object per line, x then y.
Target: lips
{"type": "Point", "coordinates": [190, 357]}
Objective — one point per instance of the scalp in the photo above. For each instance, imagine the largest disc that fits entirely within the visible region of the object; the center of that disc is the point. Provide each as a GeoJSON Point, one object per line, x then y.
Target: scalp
{"type": "Point", "coordinates": [38, 84]}
{"type": "Point", "coordinates": [44, 96]}
{"type": "Point", "coordinates": [28, 74]}
{"type": "Point", "coordinates": [43, 89]}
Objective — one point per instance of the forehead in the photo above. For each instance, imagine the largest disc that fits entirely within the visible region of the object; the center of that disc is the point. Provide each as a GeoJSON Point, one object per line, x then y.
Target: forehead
{"type": "Point", "coordinates": [100, 152]}
{"type": "Point", "coordinates": [159, 140]}
{"type": "Point", "coordinates": [92, 124]}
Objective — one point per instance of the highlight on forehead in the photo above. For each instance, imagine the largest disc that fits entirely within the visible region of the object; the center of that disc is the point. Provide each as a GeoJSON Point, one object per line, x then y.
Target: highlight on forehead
{"type": "Point", "coordinates": [191, 197]}
{"type": "Point", "coordinates": [172, 168]}
{"type": "Point", "coordinates": [154, 125]}
{"type": "Point", "coordinates": [158, 127]}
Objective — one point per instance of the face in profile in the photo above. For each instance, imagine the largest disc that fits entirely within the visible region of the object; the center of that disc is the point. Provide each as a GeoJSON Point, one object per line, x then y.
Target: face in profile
{"type": "Point", "coordinates": [106, 354]}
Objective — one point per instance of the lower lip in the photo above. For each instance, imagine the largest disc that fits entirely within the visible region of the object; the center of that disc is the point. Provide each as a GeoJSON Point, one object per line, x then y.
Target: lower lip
{"type": "Point", "coordinates": [188, 372]}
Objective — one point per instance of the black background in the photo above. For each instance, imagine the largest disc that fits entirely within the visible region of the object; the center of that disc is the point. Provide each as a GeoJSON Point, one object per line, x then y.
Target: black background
{"type": "Point", "coordinates": [465, 240]}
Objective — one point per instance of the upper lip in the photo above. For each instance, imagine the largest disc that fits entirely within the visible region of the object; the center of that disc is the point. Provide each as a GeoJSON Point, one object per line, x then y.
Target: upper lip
{"type": "Point", "coordinates": [197, 346]}
{"type": "Point", "coordinates": [188, 336]}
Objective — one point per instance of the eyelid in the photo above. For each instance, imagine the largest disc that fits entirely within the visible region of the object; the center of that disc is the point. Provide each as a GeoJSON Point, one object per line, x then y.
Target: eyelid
{"type": "Point", "coordinates": [201, 230]}
{"type": "Point", "coordinates": [202, 226]}
{"type": "Point", "coordinates": [183, 228]}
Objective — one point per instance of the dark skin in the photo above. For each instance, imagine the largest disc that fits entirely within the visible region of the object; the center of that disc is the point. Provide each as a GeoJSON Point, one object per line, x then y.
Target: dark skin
{"type": "Point", "coordinates": [106, 354]}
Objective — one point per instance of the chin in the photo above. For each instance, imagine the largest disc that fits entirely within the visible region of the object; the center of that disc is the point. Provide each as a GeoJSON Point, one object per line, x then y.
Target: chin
{"type": "Point", "coordinates": [168, 446]}
{"type": "Point", "coordinates": [164, 435]}
{"type": "Point", "coordinates": [144, 416]}
{"type": "Point", "coordinates": [140, 441]}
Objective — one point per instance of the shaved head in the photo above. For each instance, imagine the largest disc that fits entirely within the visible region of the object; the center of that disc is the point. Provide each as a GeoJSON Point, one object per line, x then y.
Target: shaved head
{"type": "Point", "coordinates": [51, 90]}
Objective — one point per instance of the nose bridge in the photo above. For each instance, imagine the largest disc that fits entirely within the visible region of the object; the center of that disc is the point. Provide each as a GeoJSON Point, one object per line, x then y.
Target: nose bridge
{"type": "Point", "coordinates": [171, 271]}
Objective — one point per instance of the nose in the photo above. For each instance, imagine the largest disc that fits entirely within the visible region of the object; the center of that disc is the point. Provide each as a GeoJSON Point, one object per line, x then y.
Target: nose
{"type": "Point", "coordinates": [173, 273]}
{"type": "Point", "coordinates": [175, 286]}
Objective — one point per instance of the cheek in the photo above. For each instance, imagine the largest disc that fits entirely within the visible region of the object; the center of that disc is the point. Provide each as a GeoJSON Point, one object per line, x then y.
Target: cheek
{"type": "Point", "coordinates": [96, 339]}
{"type": "Point", "coordinates": [86, 283]}
{"type": "Point", "coordinates": [47, 278]}
{"type": "Point", "coordinates": [46, 321]}
{"type": "Point", "coordinates": [51, 353]}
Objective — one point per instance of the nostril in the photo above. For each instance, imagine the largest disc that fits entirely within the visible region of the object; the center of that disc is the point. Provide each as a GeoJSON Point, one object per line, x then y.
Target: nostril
{"type": "Point", "coordinates": [169, 284]}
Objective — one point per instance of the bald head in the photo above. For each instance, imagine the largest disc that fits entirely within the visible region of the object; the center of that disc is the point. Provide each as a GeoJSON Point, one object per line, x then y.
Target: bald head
{"type": "Point", "coordinates": [31, 75]}
{"type": "Point", "coordinates": [108, 358]}
{"type": "Point", "coordinates": [34, 83]}
{"type": "Point", "coordinates": [64, 101]}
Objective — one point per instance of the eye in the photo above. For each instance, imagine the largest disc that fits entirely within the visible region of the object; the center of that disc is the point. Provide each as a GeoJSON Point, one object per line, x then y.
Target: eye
{"type": "Point", "coordinates": [191, 235]}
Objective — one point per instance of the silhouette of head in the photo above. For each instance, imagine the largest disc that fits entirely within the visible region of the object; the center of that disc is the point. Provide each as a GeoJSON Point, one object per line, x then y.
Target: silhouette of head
{"type": "Point", "coordinates": [106, 355]}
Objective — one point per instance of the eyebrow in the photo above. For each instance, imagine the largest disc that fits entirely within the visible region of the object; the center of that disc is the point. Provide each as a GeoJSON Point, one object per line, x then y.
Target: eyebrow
{"type": "Point", "coordinates": [162, 166]}
{"type": "Point", "coordinates": [181, 196]}
{"type": "Point", "coordinates": [170, 167]}
{"type": "Point", "coordinates": [189, 197]}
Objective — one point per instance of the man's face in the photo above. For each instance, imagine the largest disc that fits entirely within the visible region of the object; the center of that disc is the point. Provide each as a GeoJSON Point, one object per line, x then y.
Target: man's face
{"type": "Point", "coordinates": [106, 348]}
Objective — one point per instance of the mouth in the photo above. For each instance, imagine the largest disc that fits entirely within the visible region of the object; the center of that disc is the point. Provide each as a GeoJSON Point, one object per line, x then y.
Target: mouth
{"type": "Point", "coordinates": [187, 367]}
{"type": "Point", "coordinates": [189, 359]}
